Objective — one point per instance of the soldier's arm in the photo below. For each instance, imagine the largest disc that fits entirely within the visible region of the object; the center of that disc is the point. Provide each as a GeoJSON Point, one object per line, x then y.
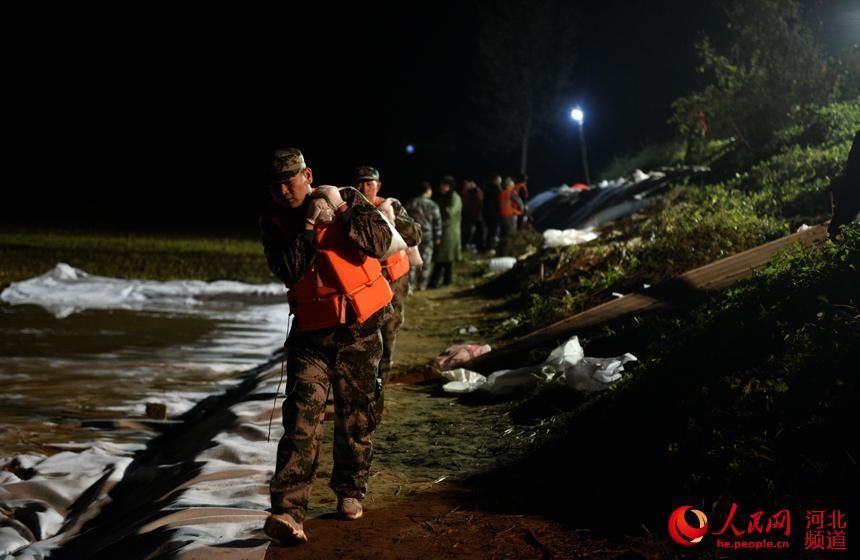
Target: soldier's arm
{"type": "Point", "coordinates": [365, 226]}
{"type": "Point", "coordinates": [437, 224]}
{"type": "Point", "coordinates": [408, 228]}
{"type": "Point", "coordinates": [287, 259]}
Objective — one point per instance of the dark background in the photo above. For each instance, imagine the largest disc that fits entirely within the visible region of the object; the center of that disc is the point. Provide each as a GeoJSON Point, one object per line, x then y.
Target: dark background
{"type": "Point", "coordinates": [165, 119]}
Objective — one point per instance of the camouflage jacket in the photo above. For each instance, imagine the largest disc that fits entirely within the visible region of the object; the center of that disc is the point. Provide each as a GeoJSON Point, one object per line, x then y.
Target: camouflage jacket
{"type": "Point", "coordinates": [426, 213]}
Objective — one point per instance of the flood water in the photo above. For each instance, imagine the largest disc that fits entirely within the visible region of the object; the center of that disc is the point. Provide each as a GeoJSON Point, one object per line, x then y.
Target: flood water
{"type": "Point", "coordinates": [60, 367]}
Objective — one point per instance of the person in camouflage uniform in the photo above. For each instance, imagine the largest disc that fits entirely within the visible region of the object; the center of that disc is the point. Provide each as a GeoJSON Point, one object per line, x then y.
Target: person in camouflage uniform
{"type": "Point", "coordinates": [426, 214]}
{"type": "Point", "coordinates": [344, 357]}
{"type": "Point", "coordinates": [368, 183]}
{"type": "Point", "coordinates": [448, 252]}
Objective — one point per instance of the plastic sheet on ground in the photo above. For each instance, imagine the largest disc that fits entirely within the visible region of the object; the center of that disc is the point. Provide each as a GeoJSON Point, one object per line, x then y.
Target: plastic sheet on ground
{"type": "Point", "coordinates": [566, 365]}
{"type": "Point", "coordinates": [462, 380]}
{"type": "Point", "coordinates": [566, 208]}
{"type": "Point", "coordinates": [563, 238]}
{"type": "Point", "coordinates": [64, 290]}
{"type": "Point", "coordinates": [501, 264]}
{"type": "Point", "coordinates": [216, 510]}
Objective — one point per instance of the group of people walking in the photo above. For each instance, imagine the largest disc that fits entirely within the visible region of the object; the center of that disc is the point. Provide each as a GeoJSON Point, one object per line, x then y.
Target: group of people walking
{"type": "Point", "coordinates": [470, 217]}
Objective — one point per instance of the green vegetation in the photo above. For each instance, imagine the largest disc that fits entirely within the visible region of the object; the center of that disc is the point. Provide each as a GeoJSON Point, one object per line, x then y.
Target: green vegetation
{"type": "Point", "coordinates": [757, 384]}
{"type": "Point", "coordinates": [650, 156]}
{"type": "Point", "coordinates": [732, 209]}
{"type": "Point", "coordinates": [773, 66]}
{"type": "Point", "coordinates": [25, 254]}
{"type": "Point", "coordinates": [748, 394]}
{"type": "Point", "coordinates": [747, 397]}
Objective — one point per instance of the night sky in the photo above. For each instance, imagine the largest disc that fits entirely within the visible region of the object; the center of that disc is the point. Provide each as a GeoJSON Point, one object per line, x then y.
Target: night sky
{"type": "Point", "coordinates": [164, 120]}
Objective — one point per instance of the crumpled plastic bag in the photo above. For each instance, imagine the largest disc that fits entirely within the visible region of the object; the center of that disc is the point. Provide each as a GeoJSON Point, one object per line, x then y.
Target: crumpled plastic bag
{"type": "Point", "coordinates": [596, 374]}
{"type": "Point", "coordinates": [566, 364]}
{"type": "Point", "coordinates": [509, 381]}
{"type": "Point", "coordinates": [462, 380]}
{"type": "Point", "coordinates": [458, 354]}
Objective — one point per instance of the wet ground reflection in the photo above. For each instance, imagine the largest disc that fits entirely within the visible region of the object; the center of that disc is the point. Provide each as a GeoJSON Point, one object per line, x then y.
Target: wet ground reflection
{"type": "Point", "coordinates": [56, 373]}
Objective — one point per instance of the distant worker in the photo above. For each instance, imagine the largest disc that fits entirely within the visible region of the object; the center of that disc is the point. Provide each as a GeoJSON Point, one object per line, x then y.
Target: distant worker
{"type": "Point", "coordinates": [325, 245]}
{"type": "Point", "coordinates": [845, 192]}
{"type": "Point", "coordinates": [521, 189]}
{"type": "Point", "coordinates": [426, 214]}
{"type": "Point", "coordinates": [396, 267]}
{"type": "Point", "coordinates": [492, 218]}
{"type": "Point", "coordinates": [697, 140]}
{"type": "Point", "coordinates": [448, 252]}
{"type": "Point", "coordinates": [510, 207]}
{"type": "Point", "coordinates": [472, 227]}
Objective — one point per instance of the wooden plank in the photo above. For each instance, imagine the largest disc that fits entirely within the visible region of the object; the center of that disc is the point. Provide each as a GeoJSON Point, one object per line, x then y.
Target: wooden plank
{"type": "Point", "coordinates": [714, 276]}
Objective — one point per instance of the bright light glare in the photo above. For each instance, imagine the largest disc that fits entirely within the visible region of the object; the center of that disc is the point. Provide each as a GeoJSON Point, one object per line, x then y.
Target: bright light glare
{"type": "Point", "coordinates": [410, 149]}
{"type": "Point", "coordinates": [577, 115]}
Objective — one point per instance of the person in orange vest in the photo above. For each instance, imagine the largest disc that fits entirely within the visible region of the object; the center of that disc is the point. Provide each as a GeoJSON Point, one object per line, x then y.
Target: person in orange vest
{"type": "Point", "coordinates": [396, 267]}
{"type": "Point", "coordinates": [325, 245]}
{"type": "Point", "coordinates": [510, 207]}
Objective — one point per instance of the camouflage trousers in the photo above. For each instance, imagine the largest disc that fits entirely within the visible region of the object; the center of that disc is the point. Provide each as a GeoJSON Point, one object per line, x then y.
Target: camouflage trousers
{"type": "Point", "coordinates": [420, 277]}
{"type": "Point", "coordinates": [345, 359]}
{"type": "Point", "coordinates": [391, 323]}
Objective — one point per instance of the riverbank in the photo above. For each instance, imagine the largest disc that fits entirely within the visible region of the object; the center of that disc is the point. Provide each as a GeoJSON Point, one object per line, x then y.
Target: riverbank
{"type": "Point", "coordinates": [29, 252]}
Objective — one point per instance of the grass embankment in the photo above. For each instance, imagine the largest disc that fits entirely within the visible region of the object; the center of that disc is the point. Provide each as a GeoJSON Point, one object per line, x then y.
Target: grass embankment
{"type": "Point", "coordinates": [25, 254]}
{"type": "Point", "coordinates": [745, 397]}
{"type": "Point", "coordinates": [730, 210]}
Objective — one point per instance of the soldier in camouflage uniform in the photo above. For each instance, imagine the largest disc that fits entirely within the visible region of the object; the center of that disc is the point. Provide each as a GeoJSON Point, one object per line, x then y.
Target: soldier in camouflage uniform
{"type": "Point", "coordinates": [426, 214]}
{"type": "Point", "coordinates": [344, 357]}
{"type": "Point", "coordinates": [368, 183]}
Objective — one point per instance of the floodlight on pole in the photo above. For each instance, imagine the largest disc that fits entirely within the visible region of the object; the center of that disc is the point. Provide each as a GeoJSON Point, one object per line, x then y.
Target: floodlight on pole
{"type": "Point", "coordinates": [579, 116]}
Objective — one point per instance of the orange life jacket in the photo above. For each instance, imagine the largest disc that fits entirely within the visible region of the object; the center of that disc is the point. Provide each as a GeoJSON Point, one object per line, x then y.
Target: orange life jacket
{"type": "Point", "coordinates": [397, 265]}
{"type": "Point", "coordinates": [340, 273]}
{"type": "Point", "coordinates": [506, 205]}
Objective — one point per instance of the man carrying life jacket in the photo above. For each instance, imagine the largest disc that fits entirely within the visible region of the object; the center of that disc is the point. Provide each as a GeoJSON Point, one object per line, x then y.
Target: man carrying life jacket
{"type": "Point", "coordinates": [324, 244]}
{"type": "Point", "coordinates": [396, 267]}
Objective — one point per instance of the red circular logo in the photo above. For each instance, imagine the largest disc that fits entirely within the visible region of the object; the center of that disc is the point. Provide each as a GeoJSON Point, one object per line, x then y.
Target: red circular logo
{"type": "Point", "coordinates": [682, 532]}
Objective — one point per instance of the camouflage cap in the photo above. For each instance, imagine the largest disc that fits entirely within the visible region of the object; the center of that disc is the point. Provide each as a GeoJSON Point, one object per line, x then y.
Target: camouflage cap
{"type": "Point", "coordinates": [366, 173]}
{"type": "Point", "coordinates": [287, 162]}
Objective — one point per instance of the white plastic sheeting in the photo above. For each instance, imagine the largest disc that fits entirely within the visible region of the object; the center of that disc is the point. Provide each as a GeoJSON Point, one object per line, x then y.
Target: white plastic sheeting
{"type": "Point", "coordinates": [501, 264]}
{"type": "Point", "coordinates": [563, 238]}
{"type": "Point", "coordinates": [225, 501]}
{"type": "Point", "coordinates": [566, 364]}
{"type": "Point", "coordinates": [565, 208]}
{"type": "Point", "coordinates": [57, 481]}
{"type": "Point", "coordinates": [64, 290]}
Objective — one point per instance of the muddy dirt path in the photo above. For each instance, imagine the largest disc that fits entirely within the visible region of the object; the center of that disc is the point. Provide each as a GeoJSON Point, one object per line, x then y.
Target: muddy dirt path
{"type": "Point", "coordinates": [419, 505]}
